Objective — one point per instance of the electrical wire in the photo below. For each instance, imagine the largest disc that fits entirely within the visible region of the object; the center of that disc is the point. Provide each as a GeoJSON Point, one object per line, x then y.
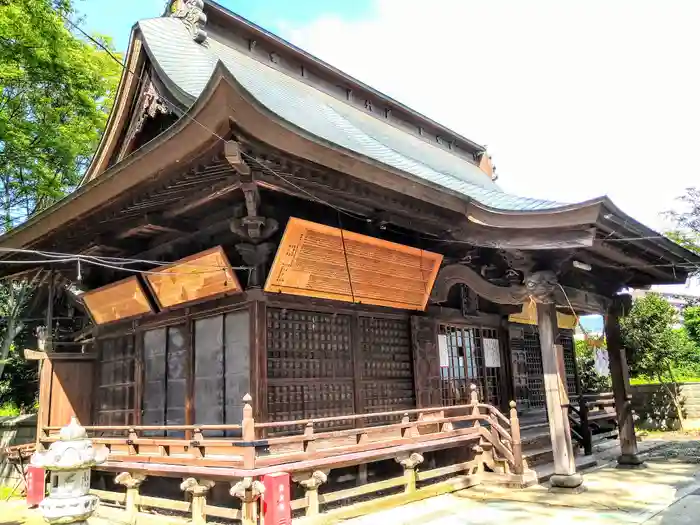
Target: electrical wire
{"type": "Point", "coordinates": [112, 260]}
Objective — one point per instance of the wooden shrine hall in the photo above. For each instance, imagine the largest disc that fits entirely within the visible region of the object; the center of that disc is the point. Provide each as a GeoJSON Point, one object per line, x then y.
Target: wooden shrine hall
{"type": "Point", "coordinates": [274, 267]}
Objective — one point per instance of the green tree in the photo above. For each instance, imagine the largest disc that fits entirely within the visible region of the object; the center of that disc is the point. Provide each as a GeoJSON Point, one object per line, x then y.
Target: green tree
{"type": "Point", "coordinates": [56, 89]}
{"type": "Point", "coordinates": [691, 323]}
{"type": "Point", "coordinates": [654, 348]}
{"type": "Point", "coordinates": [688, 221]}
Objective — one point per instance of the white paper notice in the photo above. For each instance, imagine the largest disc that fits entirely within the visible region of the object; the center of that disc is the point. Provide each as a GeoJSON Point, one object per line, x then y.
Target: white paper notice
{"type": "Point", "coordinates": [492, 353]}
{"type": "Point", "coordinates": [442, 347]}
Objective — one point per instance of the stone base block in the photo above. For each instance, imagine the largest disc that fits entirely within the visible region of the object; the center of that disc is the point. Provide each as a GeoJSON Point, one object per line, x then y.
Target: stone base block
{"type": "Point", "coordinates": [571, 483]}
{"type": "Point", "coordinates": [630, 461]}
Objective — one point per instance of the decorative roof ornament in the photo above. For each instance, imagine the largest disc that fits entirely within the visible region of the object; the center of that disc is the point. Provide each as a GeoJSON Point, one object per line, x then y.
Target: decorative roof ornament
{"type": "Point", "coordinates": [191, 12]}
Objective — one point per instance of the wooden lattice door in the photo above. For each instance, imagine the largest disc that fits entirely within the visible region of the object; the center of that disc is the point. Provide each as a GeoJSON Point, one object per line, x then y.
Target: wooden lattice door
{"type": "Point", "coordinates": [470, 355]}
{"type": "Point", "coordinates": [309, 365]}
{"type": "Point", "coordinates": [526, 360]}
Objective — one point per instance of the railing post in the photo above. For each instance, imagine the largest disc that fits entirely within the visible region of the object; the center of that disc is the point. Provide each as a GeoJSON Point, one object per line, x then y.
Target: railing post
{"type": "Point", "coordinates": [132, 482]}
{"type": "Point", "coordinates": [132, 436]}
{"type": "Point", "coordinates": [198, 489]}
{"type": "Point", "coordinates": [585, 427]}
{"type": "Point", "coordinates": [409, 462]}
{"type": "Point", "coordinates": [516, 443]}
{"type": "Point", "coordinates": [311, 481]}
{"type": "Point", "coordinates": [248, 433]}
{"type": "Point", "coordinates": [474, 401]}
{"type": "Point", "coordinates": [309, 445]}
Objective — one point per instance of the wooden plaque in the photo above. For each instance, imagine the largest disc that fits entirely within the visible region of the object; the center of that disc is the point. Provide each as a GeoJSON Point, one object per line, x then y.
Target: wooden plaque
{"type": "Point", "coordinates": [316, 260]}
{"type": "Point", "coordinates": [117, 301]}
{"type": "Point", "coordinates": [196, 277]}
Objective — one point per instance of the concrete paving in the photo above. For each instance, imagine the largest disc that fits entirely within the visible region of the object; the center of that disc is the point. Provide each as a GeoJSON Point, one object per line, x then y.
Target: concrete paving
{"type": "Point", "coordinates": [666, 492]}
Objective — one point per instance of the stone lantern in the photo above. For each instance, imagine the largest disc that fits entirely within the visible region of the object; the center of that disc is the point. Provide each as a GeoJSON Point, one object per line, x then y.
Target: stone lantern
{"type": "Point", "coordinates": [69, 462]}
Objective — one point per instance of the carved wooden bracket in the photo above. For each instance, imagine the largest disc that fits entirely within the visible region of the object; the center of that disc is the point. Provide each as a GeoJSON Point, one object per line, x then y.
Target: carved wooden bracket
{"type": "Point", "coordinates": [311, 480]}
{"type": "Point", "coordinates": [196, 487]}
{"type": "Point", "coordinates": [130, 480]}
{"type": "Point", "coordinates": [247, 490]}
{"type": "Point", "coordinates": [253, 227]}
{"type": "Point", "coordinates": [541, 287]}
{"type": "Point", "coordinates": [538, 286]}
{"type": "Point", "coordinates": [257, 256]}
{"type": "Point", "coordinates": [409, 461]}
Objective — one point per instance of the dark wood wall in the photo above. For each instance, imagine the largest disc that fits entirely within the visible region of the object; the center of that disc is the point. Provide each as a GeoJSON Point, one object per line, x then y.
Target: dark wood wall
{"type": "Point", "coordinates": [298, 358]}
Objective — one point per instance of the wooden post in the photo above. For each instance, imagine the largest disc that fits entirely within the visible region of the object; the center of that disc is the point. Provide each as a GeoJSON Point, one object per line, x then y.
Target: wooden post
{"type": "Point", "coordinates": [516, 444]}
{"type": "Point", "coordinates": [565, 475]}
{"type": "Point", "coordinates": [474, 402]}
{"type": "Point", "coordinates": [198, 489]}
{"type": "Point", "coordinates": [585, 426]}
{"type": "Point", "coordinates": [619, 373]}
{"type": "Point", "coordinates": [248, 433]}
{"type": "Point", "coordinates": [409, 462]}
{"type": "Point", "coordinates": [362, 474]}
{"type": "Point", "coordinates": [49, 314]}
{"type": "Point", "coordinates": [132, 482]}
{"type": "Point", "coordinates": [309, 445]}
{"type": "Point", "coordinates": [311, 481]}
{"type": "Point", "coordinates": [248, 491]}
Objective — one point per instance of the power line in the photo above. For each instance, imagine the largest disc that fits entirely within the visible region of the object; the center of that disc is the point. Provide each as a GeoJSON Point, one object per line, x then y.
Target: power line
{"type": "Point", "coordinates": [115, 263]}
{"type": "Point", "coordinates": [108, 259]}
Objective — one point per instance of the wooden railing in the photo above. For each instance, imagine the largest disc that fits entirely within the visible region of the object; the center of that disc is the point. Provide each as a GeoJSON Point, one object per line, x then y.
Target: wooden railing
{"type": "Point", "coordinates": [489, 440]}
{"type": "Point", "coordinates": [588, 419]}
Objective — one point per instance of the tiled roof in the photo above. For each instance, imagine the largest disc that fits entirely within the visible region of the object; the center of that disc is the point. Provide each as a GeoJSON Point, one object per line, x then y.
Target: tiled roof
{"type": "Point", "coordinates": [189, 66]}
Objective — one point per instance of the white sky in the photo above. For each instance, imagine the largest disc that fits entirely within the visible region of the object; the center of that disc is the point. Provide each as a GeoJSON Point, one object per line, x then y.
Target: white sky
{"type": "Point", "coordinates": [575, 99]}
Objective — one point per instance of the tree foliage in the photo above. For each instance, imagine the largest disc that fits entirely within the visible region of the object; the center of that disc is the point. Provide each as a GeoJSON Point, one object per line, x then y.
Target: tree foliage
{"type": "Point", "coordinates": [688, 221]}
{"type": "Point", "coordinates": [691, 322]}
{"type": "Point", "coordinates": [56, 89]}
{"type": "Point", "coordinates": [55, 92]}
{"type": "Point", "coordinates": [591, 381]}
{"type": "Point", "coordinates": [654, 348]}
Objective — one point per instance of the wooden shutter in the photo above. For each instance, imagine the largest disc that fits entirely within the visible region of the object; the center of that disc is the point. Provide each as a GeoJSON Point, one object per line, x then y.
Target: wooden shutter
{"type": "Point", "coordinates": [426, 361]}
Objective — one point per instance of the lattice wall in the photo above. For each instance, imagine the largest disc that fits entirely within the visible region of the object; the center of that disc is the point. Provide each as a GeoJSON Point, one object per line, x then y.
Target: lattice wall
{"type": "Point", "coordinates": [116, 390]}
{"type": "Point", "coordinates": [566, 339]}
{"type": "Point", "coordinates": [311, 372]}
{"type": "Point", "coordinates": [309, 365]}
{"type": "Point", "coordinates": [387, 368]}
{"type": "Point", "coordinates": [533, 366]}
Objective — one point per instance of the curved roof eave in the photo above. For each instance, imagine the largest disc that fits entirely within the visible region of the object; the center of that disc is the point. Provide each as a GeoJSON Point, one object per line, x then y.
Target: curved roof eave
{"type": "Point", "coordinates": [119, 111]}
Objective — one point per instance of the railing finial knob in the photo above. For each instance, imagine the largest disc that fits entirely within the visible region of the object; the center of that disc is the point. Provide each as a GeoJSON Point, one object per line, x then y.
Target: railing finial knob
{"type": "Point", "coordinates": [512, 404]}
{"type": "Point", "coordinates": [247, 398]}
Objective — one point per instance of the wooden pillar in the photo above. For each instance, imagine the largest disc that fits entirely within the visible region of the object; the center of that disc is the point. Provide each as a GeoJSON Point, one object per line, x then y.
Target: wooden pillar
{"type": "Point", "coordinates": [311, 481]}
{"type": "Point", "coordinates": [565, 475]}
{"type": "Point", "coordinates": [619, 374]}
{"type": "Point", "coordinates": [409, 462]}
{"type": "Point", "coordinates": [198, 489]}
{"type": "Point", "coordinates": [132, 482]}
{"type": "Point", "coordinates": [249, 492]}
